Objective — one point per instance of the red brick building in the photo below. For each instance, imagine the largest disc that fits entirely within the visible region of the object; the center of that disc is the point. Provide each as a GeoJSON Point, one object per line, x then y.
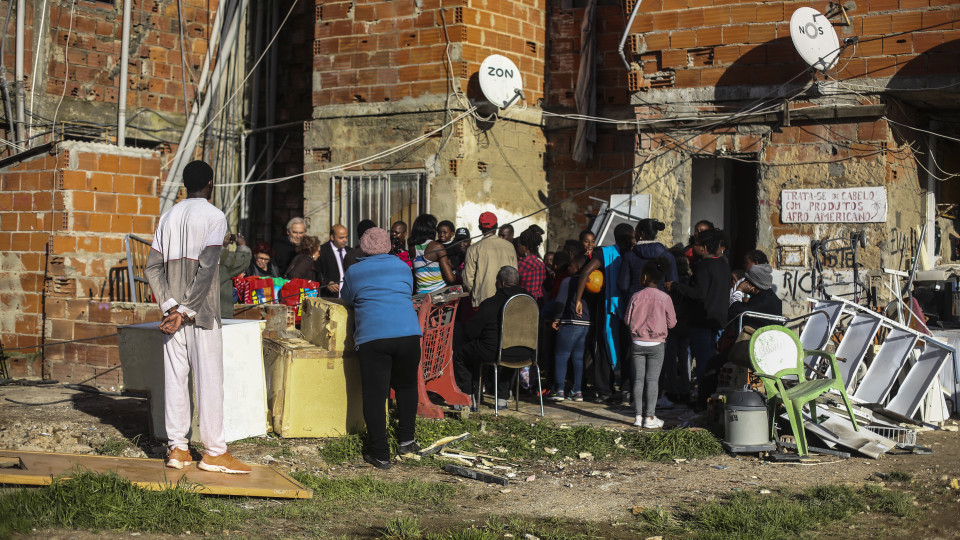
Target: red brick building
{"type": "Point", "coordinates": [369, 107]}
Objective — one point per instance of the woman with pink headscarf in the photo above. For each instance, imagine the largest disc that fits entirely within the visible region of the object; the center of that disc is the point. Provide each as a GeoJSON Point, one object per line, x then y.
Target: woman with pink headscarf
{"type": "Point", "coordinates": [387, 333]}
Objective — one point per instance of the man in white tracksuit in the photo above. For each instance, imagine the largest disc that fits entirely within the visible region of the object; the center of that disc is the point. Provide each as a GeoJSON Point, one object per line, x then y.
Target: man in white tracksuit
{"type": "Point", "coordinates": [183, 271]}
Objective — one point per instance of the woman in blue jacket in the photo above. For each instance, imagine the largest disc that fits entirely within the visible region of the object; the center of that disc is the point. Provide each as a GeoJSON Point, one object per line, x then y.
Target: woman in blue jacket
{"type": "Point", "coordinates": [387, 334]}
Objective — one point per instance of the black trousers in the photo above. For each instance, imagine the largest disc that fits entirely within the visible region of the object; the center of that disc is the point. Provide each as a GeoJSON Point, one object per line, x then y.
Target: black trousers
{"type": "Point", "coordinates": [384, 364]}
{"type": "Point", "coordinates": [466, 369]}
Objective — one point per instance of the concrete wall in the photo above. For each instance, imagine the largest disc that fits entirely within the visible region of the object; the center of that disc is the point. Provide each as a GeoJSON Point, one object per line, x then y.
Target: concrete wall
{"type": "Point", "coordinates": [469, 169]}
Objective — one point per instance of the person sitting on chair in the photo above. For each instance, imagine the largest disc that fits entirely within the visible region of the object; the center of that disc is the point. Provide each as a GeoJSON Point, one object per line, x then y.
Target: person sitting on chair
{"type": "Point", "coordinates": [482, 339]}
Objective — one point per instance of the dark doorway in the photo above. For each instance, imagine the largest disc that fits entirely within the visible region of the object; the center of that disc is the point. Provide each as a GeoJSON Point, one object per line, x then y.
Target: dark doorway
{"type": "Point", "coordinates": [724, 191]}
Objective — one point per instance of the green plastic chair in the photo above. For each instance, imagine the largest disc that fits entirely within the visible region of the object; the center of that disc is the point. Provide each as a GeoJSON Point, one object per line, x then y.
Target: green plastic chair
{"type": "Point", "coordinates": [776, 353]}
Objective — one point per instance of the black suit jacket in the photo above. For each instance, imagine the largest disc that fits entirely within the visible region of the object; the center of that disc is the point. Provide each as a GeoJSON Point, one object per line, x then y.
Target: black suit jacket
{"type": "Point", "coordinates": [327, 269]}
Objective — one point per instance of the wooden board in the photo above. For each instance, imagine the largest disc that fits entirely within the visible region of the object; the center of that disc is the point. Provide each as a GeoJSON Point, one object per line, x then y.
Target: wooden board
{"type": "Point", "coordinates": [39, 469]}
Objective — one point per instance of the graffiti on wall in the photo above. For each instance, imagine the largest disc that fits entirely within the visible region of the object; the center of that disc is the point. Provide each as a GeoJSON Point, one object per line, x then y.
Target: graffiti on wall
{"type": "Point", "coordinates": [903, 244]}
{"type": "Point", "coordinates": [795, 285]}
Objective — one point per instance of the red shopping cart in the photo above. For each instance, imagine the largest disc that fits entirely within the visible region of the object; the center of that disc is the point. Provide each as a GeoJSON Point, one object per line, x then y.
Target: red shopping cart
{"type": "Point", "coordinates": [437, 313]}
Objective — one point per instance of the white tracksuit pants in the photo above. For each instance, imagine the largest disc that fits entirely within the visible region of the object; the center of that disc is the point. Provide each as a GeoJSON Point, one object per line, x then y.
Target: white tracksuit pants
{"type": "Point", "coordinates": [201, 350]}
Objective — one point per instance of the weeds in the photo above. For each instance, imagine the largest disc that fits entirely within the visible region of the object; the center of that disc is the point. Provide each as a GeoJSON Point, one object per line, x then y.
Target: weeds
{"type": "Point", "coordinates": [402, 528]}
{"type": "Point", "coordinates": [518, 527]}
{"type": "Point", "coordinates": [106, 501]}
{"type": "Point", "coordinates": [900, 476]}
{"type": "Point", "coordinates": [345, 449]}
{"type": "Point", "coordinates": [766, 517]}
{"type": "Point", "coordinates": [116, 446]}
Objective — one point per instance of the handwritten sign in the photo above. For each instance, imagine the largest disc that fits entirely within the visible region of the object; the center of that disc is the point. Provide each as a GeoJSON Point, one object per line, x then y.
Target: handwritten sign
{"type": "Point", "coordinates": [849, 205]}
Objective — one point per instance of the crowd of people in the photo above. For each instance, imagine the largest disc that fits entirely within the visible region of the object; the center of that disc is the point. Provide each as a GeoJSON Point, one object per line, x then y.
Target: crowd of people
{"type": "Point", "coordinates": [620, 323]}
{"type": "Point", "coordinates": [629, 335]}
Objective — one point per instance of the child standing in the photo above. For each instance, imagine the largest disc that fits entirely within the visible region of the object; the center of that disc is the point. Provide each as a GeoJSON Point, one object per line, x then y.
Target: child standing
{"type": "Point", "coordinates": [572, 331]}
{"type": "Point", "coordinates": [649, 316]}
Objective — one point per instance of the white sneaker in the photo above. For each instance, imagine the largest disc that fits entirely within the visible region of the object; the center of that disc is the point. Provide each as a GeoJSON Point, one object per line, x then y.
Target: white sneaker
{"type": "Point", "coordinates": [652, 422]}
{"type": "Point", "coordinates": [664, 403]}
{"type": "Point", "coordinates": [639, 420]}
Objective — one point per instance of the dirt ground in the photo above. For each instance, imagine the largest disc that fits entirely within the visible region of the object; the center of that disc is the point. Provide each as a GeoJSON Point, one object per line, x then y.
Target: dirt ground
{"type": "Point", "coordinates": [600, 492]}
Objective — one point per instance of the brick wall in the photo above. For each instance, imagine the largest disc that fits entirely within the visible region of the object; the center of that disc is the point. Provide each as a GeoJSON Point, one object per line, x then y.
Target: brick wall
{"type": "Point", "coordinates": [63, 217]}
{"type": "Point", "coordinates": [613, 155]}
{"type": "Point", "coordinates": [87, 63]}
{"type": "Point", "coordinates": [689, 43]}
{"type": "Point", "coordinates": [368, 51]}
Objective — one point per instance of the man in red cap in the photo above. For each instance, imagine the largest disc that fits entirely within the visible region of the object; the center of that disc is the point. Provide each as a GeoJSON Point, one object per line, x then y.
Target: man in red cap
{"type": "Point", "coordinates": [484, 259]}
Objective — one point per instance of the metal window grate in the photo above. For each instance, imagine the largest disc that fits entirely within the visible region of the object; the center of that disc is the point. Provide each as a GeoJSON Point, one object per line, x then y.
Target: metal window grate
{"type": "Point", "coordinates": [383, 198]}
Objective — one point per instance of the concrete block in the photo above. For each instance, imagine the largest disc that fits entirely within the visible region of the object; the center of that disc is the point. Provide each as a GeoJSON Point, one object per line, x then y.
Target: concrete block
{"type": "Point", "coordinates": [328, 324]}
{"type": "Point", "coordinates": [312, 392]}
{"type": "Point", "coordinates": [244, 383]}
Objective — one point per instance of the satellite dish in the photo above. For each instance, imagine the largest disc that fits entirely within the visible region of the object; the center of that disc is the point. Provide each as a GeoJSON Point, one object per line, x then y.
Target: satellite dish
{"type": "Point", "coordinates": [814, 38]}
{"type": "Point", "coordinates": [500, 81]}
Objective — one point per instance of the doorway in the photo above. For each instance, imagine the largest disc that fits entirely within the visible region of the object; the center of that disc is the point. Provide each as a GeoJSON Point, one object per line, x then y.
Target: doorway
{"type": "Point", "coordinates": [724, 191]}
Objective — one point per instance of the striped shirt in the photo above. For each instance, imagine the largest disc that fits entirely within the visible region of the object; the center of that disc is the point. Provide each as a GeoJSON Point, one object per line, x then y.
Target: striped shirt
{"type": "Point", "coordinates": [426, 273]}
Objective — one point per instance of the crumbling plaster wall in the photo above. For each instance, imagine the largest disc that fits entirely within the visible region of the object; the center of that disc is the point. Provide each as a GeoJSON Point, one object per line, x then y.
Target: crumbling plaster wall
{"type": "Point", "coordinates": [471, 167]}
{"type": "Point", "coordinates": [826, 155]}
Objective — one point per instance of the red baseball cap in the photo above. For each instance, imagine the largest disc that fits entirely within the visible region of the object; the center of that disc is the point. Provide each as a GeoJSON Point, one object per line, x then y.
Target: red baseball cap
{"type": "Point", "coordinates": [488, 220]}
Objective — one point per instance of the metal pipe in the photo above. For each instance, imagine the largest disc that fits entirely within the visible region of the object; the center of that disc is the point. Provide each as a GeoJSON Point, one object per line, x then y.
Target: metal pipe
{"type": "Point", "coordinates": [124, 66]}
{"type": "Point", "coordinates": [271, 115]}
{"type": "Point", "coordinates": [3, 75]}
{"type": "Point", "coordinates": [626, 32]}
{"type": "Point", "coordinates": [170, 186]}
{"type": "Point", "coordinates": [18, 72]}
{"type": "Point", "coordinates": [250, 163]}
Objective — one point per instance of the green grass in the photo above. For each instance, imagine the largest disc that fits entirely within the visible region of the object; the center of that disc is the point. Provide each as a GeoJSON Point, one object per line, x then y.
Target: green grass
{"type": "Point", "coordinates": [334, 496]}
{"type": "Point", "coordinates": [106, 501]}
{"type": "Point", "coordinates": [96, 502]}
{"type": "Point", "coordinates": [402, 528]}
{"type": "Point", "coordinates": [497, 528]}
{"type": "Point", "coordinates": [772, 517]}
{"type": "Point", "coordinates": [515, 439]}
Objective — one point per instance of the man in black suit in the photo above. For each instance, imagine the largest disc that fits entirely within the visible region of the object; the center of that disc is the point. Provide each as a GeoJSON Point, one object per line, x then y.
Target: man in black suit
{"type": "Point", "coordinates": [329, 264]}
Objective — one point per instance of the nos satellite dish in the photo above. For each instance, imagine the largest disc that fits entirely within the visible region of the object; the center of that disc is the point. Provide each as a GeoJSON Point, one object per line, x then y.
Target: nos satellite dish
{"type": "Point", "coordinates": [814, 38]}
{"type": "Point", "coordinates": [500, 81]}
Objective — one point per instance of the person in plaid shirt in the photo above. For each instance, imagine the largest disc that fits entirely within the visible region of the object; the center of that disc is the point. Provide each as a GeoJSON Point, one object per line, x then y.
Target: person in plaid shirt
{"type": "Point", "coordinates": [533, 272]}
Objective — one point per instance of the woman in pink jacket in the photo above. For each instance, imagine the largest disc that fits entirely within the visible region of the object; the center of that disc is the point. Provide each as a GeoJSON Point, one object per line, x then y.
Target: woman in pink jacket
{"type": "Point", "coordinates": [649, 315]}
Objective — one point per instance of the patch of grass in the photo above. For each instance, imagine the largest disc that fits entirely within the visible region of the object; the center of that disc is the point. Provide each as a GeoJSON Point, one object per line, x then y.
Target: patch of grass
{"type": "Point", "coordinates": [497, 528]}
{"type": "Point", "coordinates": [514, 438]}
{"type": "Point", "coordinates": [348, 448]}
{"type": "Point", "coordinates": [336, 495]}
{"type": "Point", "coordinates": [116, 446]}
{"type": "Point", "coordinates": [771, 517]}
{"type": "Point", "coordinates": [900, 476]}
{"type": "Point", "coordinates": [402, 528]}
{"type": "Point", "coordinates": [524, 440]}
{"type": "Point", "coordinates": [105, 501]}
{"type": "Point", "coordinates": [367, 489]}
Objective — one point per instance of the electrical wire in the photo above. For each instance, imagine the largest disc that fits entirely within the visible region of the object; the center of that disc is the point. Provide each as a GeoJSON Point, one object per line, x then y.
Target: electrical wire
{"type": "Point", "coordinates": [358, 162]}
{"type": "Point", "coordinates": [941, 135]}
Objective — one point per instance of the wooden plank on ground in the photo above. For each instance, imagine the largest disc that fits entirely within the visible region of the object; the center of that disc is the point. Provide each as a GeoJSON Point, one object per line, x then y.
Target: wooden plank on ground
{"type": "Point", "coordinates": [39, 469]}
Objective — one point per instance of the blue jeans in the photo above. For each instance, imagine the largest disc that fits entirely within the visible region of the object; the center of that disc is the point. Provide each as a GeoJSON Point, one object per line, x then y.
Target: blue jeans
{"type": "Point", "coordinates": [702, 343]}
{"type": "Point", "coordinates": [571, 343]}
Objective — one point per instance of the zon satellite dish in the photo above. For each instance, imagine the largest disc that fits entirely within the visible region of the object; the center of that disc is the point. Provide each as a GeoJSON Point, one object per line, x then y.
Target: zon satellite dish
{"type": "Point", "coordinates": [814, 38]}
{"type": "Point", "coordinates": [500, 81]}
